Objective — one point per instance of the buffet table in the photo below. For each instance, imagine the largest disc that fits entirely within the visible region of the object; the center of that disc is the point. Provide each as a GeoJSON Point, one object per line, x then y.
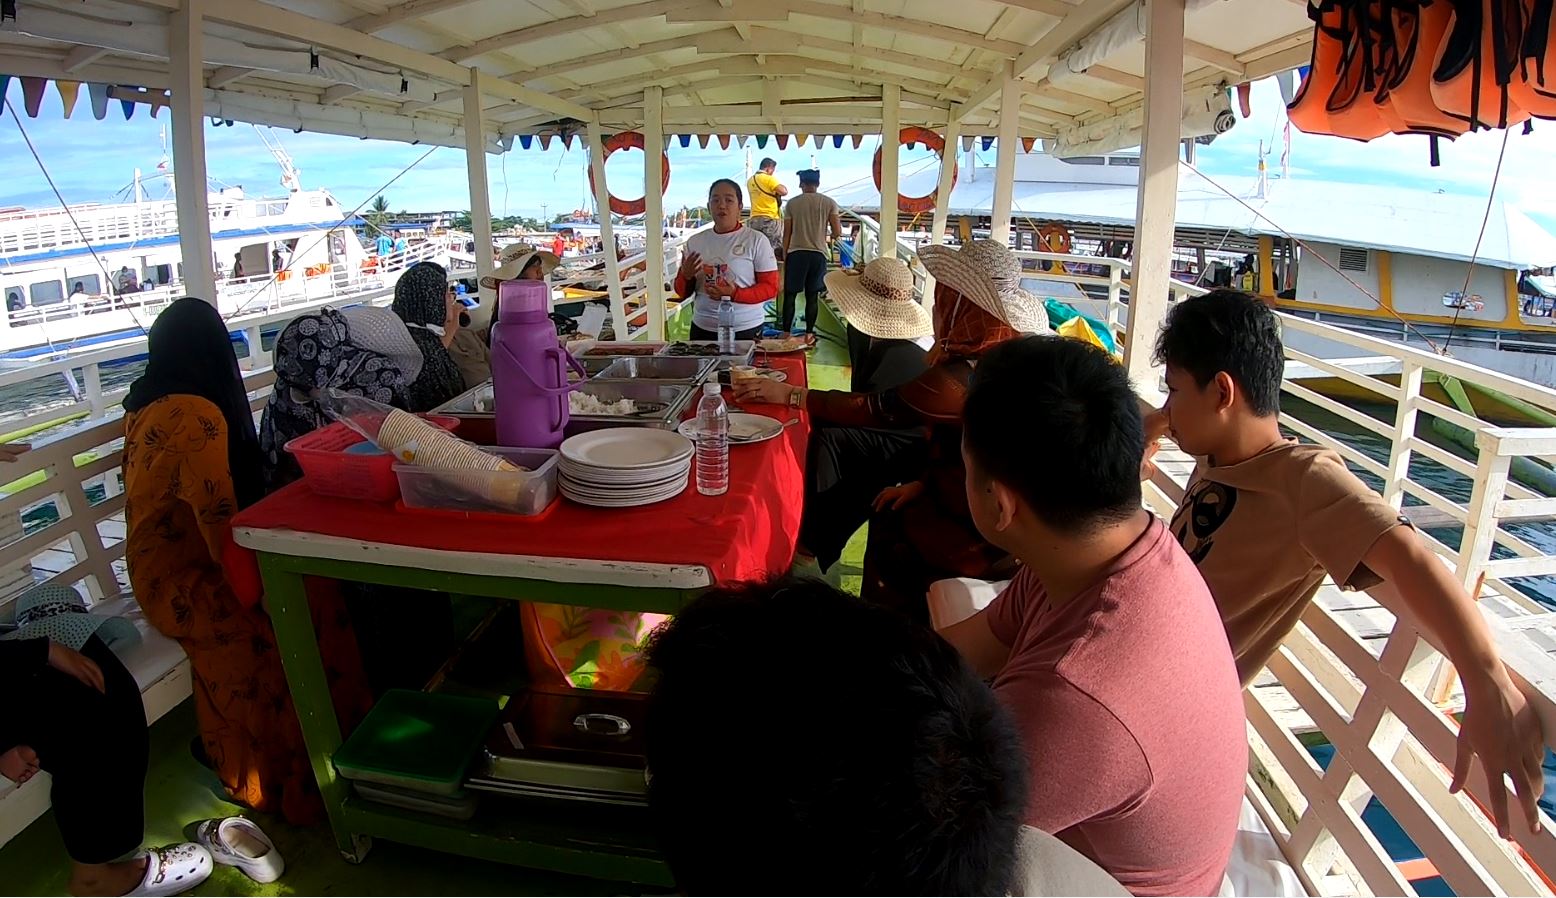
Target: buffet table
{"type": "Point", "coordinates": [653, 558]}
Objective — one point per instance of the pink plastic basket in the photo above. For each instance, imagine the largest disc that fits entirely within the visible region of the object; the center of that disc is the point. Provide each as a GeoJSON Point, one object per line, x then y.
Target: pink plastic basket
{"type": "Point", "coordinates": [332, 471]}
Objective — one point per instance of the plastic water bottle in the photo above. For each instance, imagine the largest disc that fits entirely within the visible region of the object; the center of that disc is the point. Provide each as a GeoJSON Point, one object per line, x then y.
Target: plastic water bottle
{"type": "Point", "coordinates": [712, 442]}
{"type": "Point", "coordinates": [727, 327]}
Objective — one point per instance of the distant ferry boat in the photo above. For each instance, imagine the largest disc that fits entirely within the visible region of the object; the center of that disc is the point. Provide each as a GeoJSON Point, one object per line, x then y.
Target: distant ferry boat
{"type": "Point", "coordinates": [93, 275]}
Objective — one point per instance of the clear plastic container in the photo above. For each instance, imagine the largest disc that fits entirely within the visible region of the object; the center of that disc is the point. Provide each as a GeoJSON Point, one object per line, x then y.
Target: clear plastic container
{"type": "Point", "coordinates": [712, 441]}
{"type": "Point", "coordinates": [526, 492]}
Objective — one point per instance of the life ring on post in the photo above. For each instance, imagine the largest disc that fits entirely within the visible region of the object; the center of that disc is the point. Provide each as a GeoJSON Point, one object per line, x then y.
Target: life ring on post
{"type": "Point", "coordinates": [630, 140]}
{"type": "Point", "coordinates": [1055, 238]}
{"type": "Point", "coordinates": [917, 205]}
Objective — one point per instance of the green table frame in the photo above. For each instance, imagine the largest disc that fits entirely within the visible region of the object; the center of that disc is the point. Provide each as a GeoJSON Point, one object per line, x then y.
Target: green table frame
{"type": "Point", "coordinates": [589, 843]}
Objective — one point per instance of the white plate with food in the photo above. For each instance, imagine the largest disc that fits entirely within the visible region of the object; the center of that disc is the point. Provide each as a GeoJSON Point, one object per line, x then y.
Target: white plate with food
{"type": "Point", "coordinates": [783, 344]}
{"type": "Point", "coordinates": [744, 428]}
{"type": "Point", "coordinates": [626, 448]}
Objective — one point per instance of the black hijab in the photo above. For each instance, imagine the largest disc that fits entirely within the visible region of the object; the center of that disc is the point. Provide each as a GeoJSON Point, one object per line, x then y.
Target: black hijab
{"type": "Point", "coordinates": [190, 352]}
{"type": "Point", "coordinates": [421, 301]}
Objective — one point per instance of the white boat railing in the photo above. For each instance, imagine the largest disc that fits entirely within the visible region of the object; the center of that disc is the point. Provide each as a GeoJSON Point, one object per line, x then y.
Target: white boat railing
{"type": "Point", "coordinates": [54, 229]}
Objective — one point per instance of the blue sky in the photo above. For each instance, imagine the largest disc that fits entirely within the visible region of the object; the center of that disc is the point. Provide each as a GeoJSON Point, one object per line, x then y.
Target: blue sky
{"type": "Point", "coordinates": [92, 161]}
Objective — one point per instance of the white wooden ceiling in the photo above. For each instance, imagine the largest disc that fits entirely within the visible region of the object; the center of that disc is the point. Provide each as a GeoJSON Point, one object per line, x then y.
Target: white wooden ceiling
{"type": "Point", "coordinates": [726, 66]}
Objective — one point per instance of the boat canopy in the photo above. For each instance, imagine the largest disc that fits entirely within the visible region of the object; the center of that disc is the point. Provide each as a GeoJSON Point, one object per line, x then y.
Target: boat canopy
{"type": "Point", "coordinates": [397, 71]}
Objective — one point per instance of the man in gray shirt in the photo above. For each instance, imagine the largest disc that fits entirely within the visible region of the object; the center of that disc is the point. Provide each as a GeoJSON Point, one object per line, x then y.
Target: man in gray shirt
{"type": "Point", "coordinates": [806, 247]}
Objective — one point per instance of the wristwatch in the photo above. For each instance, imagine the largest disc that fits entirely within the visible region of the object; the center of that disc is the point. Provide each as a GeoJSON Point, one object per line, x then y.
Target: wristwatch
{"type": "Point", "coordinates": [796, 397]}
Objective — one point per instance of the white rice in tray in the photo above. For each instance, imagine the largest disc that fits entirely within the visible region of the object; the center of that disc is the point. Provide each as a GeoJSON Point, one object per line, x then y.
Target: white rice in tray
{"type": "Point", "coordinates": [581, 403]}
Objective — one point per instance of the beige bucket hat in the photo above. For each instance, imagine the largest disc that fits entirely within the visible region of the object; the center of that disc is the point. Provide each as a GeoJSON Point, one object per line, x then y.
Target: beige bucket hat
{"type": "Point", "coordinates": [989, 275]}
{"type": "Point", "coordinates": [512, 261]}
{"type": "Point", "coordinates": [878, 300]}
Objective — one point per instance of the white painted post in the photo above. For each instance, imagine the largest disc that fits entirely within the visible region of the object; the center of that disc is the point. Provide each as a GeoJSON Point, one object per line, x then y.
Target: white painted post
{"type": "Point", "coordinates": [480, 196]}
{"type": "Point", "coordinates": [186, 70]}
{"type": "Point", "coordinates": [1157, 198]}
{"type": "Point", "coordinates": [1404, 429]}
{"type": "Point", "coordinates": [607, 231]}
{"type": "Point", "coordinates": [1005, 159]}
{"type": "Point", "coordinates": [252, 337]}
{"type": "Point", "coordinates": [654, 209]}
{"type": "Point", "coordinates": [93, 378]}
{"type": "Point", "coordinates": [1480, 523]}
{"type": "Point", "coordinates": [891, 130]}
{"type": "Point", "coordinates": [937, 225]}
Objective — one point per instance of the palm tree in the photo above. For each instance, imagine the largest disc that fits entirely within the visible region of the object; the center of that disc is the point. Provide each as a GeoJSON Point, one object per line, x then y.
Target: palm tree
{"type": "Point", "coordinates": [378, 211]}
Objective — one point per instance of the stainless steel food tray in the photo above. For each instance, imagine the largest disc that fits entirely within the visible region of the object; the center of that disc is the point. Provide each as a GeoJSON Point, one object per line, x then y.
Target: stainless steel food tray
{"type": "Point", "coordinates": [658, 368]}
{"type": "Point", "coordinates": [673, 396]}
{"type": "Point", "coordinates": [745, 350]}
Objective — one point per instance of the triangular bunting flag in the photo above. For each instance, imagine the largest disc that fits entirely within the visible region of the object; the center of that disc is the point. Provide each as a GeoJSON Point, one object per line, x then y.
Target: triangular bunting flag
{"type": "Point", "coordinates": [837, 140]}
{"type": "Point", "coordinates": [686, 141]}
{"type": "Point", "coordinates": [723, 141]}
{"type": "Point", "coordinates": [98, 94]}
{"type": "Point", "coordinates": [761, 141]}
{"type": "Point", "coordinates": [783, 141]}
{"type": "Point", "coordinates": [68, 91]}
{"type": "Point", "coordinates": [32, 94]}
{"type": "Point", "coordinates": [702, 141]}
{"type": "Point", "coordinates": [5, 85]}
{"type": "Point", "coordinates": [799, 140]}
{"type": "Point", "coordinates": [567, 141]}
{"type": "Point", "coordinates": [526, 140]}
{"type": "Point", "coordinates": [128, 108]}
{"type": "Point", "coordinates": [1027, 143]}
{"type": "Point", "coordinates": [858, 139]}
{"type": "Point", "coordinates": [545, 141]}
{"type": "Point", "coordinates": [967, 143]}
{"type": "Point", "coordinates": [987, 142]}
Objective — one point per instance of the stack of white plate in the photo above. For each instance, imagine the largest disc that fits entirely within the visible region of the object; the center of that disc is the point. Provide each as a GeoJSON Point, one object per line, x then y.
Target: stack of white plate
{"type": "Point", "coordinates": [624, 466]}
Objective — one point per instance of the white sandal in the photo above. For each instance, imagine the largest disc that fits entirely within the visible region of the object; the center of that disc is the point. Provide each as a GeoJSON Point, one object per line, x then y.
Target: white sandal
{"type": "Point", "coordinates": [239, 842]}
{"type": "Point", "coordinates": [174, 870]}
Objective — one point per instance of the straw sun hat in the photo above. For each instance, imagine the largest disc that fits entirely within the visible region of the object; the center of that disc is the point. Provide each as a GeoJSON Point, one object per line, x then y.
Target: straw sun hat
{"type": "Point", "coordinates": [989, 275]}
{"type": "Point", "coordinates": [512, 261]}
{"type": "Point", "coordinates": [879, 300]}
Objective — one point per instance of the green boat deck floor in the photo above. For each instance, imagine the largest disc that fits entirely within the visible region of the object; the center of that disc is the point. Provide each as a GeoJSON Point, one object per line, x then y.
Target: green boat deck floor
{"type": "Point", "coordinates": [180, 792]}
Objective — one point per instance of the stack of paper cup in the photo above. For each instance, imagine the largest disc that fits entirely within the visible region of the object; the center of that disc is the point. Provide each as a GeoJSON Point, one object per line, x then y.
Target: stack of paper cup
{"type": "Point", "coordinates": [469, 470]}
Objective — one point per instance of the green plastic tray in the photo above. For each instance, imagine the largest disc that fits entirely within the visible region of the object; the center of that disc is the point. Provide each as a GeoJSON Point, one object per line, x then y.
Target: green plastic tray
{"type": "Point", "coordinates": [420, 741]}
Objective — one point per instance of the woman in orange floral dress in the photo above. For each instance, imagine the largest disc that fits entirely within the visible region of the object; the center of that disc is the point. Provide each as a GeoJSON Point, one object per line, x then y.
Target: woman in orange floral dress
{"type": "Point", "coordinates": [191, 460]}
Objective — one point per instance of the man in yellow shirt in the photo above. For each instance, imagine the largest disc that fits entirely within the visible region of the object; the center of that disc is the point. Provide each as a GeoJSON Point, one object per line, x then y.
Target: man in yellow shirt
{"type": "Point", "coordinates": [766, 193]}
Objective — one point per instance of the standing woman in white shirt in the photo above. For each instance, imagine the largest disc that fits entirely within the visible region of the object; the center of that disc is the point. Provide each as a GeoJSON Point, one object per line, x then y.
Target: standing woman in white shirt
{"type": "Point", "coordinates": [729, 260]}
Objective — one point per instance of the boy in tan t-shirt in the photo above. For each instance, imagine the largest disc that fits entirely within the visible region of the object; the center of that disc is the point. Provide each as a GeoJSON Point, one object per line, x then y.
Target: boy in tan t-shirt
{"type": "Point", "coordinates": [1264, 518]}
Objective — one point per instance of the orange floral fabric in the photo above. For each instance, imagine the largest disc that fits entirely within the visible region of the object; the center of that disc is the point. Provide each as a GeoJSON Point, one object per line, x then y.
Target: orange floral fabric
{"type": "Point", "coordinates": [179, 505]}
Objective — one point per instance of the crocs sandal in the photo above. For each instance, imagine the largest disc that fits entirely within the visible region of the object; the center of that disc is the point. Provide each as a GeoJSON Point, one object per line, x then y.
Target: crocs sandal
{"type": "Point", "coordinates": [174, 870]}
{"type": "Point", "coordinates": [239, 842]}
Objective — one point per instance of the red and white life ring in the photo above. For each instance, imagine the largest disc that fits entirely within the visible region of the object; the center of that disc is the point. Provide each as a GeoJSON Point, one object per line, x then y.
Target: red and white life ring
{"type": "Point", "coordinates": [907, 137]}
{"type": "Point", "coordinates": [629, 140]}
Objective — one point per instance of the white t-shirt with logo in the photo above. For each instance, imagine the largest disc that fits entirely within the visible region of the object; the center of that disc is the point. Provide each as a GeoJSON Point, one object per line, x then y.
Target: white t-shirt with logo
{"type": "Point", "coordinates": [741, 253]}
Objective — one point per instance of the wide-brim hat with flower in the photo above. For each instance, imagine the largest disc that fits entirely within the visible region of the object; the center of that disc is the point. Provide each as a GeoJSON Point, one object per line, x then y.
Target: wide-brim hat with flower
{"type": "Point", "coordinates": [878, 300]}
{"type": "Point", "coordinates": [989, 275]}
{"type": "Point", "coordinates": [59, 613]}
{"type": "Point", "coordinates": [512, 261]}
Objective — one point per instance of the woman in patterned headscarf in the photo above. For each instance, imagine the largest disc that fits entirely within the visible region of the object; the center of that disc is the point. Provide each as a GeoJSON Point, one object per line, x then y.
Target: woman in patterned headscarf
{"type": "Point", "coordinates": [425, 302]}
{"type": "Point", "coordinates": [315, 352]}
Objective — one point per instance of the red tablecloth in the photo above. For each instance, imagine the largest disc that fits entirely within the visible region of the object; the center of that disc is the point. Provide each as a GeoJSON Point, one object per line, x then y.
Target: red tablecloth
{"type": "Point", "coordinates": [746, 534]}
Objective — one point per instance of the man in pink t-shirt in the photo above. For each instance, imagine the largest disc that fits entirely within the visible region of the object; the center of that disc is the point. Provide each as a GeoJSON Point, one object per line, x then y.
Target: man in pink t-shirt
{"type": "Point", "coordinates": [1107, 646]}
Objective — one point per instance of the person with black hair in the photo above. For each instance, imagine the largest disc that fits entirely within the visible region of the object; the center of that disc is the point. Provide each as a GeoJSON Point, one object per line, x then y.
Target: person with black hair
{"type": "Point", "coordinates": [1106, 645]}
{"type": "Point", "coordinates": [730, 260]}
{"type": "Point", "coordinates": [1265, 518]}
{"type": "Point", "coordinates": [902, 777]}
{"type": "Point", "coordinates": [811, 225]}
{"type": "Point", "coordinates": [767, 194]}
